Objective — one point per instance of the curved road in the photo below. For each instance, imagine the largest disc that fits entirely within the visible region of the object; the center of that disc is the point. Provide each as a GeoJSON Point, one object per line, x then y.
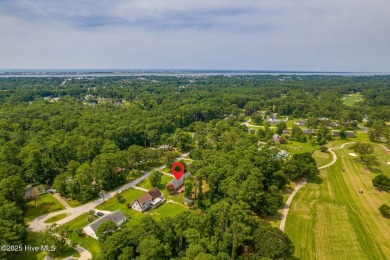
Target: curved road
{"type": "Point", "coordinates": [302, 183]}
{"type": "Point", "coordinates": [39, 224]}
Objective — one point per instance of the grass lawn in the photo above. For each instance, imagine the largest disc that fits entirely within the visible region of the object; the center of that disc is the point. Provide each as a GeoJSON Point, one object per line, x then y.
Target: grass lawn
{"type": "Point", "coordinates": [294, 147]}
{"type": "Point", "coordinates": [329, 219]}
{"type": "Point", "coordinates": [74, 203]}
{"type": "Point", "coordinates": [114, 204]}
{"type": "Point", "coordinates": [164, 180]}
{"type": "Point", "coordinates": [351, 99]}
{"type": "Point", "coordinates": [168, 210]}
{"type": "Point", "coordinates": [92, 245]}
{"type": "Point", "coordinates": [322, 158]}
{"type": "Point", "coordinates": [47, 203]}
{"type": "Point", "coordinates": [34, 239]}
{"type": "Point", "coordinates": [56, 218]}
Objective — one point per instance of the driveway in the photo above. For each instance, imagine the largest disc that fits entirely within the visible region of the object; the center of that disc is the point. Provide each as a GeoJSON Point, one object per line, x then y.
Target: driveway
{"type": "Point", "coordinates": [38, 224]}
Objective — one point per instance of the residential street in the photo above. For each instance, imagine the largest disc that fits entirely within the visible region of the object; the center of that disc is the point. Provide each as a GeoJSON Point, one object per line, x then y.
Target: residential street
{"type": "Point", "coordinates": [38, 224]}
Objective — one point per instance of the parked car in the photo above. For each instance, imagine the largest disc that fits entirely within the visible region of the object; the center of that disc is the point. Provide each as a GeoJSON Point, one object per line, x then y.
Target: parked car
{"type": "Point", "coordinates": [51, 191]}
{"type": "Point", "coordinates": [100, 214]}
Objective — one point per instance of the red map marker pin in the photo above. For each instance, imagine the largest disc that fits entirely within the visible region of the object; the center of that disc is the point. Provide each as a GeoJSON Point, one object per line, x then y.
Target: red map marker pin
{"type": "Point", "coordinates": [175, 173]}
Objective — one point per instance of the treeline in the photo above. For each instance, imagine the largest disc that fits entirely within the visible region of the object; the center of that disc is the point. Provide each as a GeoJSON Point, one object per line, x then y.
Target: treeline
{"type": "Point", "coordinates": [224, 231]}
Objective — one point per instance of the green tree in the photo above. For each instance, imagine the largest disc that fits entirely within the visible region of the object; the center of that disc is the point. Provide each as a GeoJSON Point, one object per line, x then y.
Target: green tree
{"type": "Point", "coordinates": [272, 243]}
{"type": "Point", "coordinates": [155, 178]}
{"type": "Point", "coordinates": [365, 151]}
{"type": "Point", "coordinates": [105, 230]}
{"type": "Point", "coordinates": [301, 165]}
{"type": "Point", "coordinates": [385, 210]}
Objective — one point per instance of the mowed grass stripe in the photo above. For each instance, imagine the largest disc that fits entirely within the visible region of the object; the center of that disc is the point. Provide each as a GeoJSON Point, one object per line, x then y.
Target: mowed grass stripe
{"type": "Point", "coordinates": [334, 233]}
{"type": "Point", "coordinates": [347, 194]}
{"type": "Point", "coordinates": [367, 204]}
{"type": "Point", "coordinates": [342, 222]}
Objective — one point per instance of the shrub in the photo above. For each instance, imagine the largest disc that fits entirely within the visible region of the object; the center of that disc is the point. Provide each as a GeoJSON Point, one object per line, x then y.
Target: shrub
{"type": "Point", "coordinates": [385, 210]}
{"type": "Point", "coordinates": [323, 148]}
{"type": "Point", "coordinates": [382, 182]}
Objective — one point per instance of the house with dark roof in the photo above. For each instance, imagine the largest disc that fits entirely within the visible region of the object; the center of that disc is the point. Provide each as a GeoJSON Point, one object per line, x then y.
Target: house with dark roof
{"type": "Point", "coordinates": [177, 184]}
{"type": "Point", "coordinates": [150, 199]}
{"type": "Point", "coordinates": [29, 192]}
{"type": "Point", "coordinates": [308, 131]}
{"type": "Point", "coordinates": [350, 134]}
{"type": "Point", "coordinates": [117, 217]}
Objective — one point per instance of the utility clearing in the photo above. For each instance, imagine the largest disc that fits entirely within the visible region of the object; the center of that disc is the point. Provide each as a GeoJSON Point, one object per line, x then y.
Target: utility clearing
{"type": "Point", "coordinates": [330, 219]}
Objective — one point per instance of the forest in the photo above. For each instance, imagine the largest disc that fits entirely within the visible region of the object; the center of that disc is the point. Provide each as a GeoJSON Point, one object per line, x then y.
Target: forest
{"type": "Point", "coordinates": [84, 136]}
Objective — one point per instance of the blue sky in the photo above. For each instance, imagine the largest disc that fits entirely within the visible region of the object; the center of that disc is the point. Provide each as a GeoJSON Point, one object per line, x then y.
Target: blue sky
{"type": "Point", "coordinates": [316, 35]}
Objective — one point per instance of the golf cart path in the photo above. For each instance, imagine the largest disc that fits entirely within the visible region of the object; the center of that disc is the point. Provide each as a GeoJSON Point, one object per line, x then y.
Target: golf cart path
{"type": "Point", "coordinates": [302, 183]}
{"type": "Point", "coordinates": [39, 224]}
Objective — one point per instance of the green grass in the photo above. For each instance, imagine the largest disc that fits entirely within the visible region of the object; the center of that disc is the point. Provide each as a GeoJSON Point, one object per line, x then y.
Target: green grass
{"type": "Point", "coordinates": [92, 245]}
{"type": "Point", "coordinates": [322, 158]}
{"type": "Point", "coordinates": [74, 203]}
{"type": "Point", "coordinates": [168, 210]}
{"type": "Point", "coordinates": [34, 239]}
{"type": "Point", "coordinates": [128, 197]}
{"type": "Point", "coordinates": [329, 219]}
{"type": "Point", "coordinates": [164, 180]}
{"type": "Point", "coordinates": [351, 99]}
{"type": "Point", "coordinates": [294, 147]}
{"type": "Point", "coordinates": [47, 203]}
{"type": "Point", "coordinates": [56, 218]}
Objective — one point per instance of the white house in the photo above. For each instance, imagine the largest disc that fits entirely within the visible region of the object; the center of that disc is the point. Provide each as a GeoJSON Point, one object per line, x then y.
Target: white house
{"type": "Point", "coordinates": [117, 217]}
{"type": "Point", "coordinates": [152, 199]}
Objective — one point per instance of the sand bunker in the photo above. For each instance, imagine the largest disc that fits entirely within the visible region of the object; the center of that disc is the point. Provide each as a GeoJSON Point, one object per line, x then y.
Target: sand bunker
{"type": "Point", "coordinates": [388, 162]}
{"type": "Point", "coordinates": [353, 154]}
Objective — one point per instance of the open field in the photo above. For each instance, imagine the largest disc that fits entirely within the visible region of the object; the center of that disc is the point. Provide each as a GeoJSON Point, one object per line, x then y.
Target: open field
{"type": "Point", "coordinates": [47, 203]}
{"type": "Point", "coordinates": [329, 219]}
{"type": "Point", "coordinates": [351, 99]}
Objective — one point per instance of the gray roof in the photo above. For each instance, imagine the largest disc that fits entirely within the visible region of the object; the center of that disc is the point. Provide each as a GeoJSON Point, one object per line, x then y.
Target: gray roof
{"type": "Point", "coordinates": [29, 191]}
{"type": "Point", "coordinates": [179, 182]}
{"type": "Point", "coordinates": [117, 217]}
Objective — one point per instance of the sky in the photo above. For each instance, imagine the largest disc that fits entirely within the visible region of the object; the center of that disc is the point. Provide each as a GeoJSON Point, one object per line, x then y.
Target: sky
{"type": "Point", "coordinates": [304, 35]}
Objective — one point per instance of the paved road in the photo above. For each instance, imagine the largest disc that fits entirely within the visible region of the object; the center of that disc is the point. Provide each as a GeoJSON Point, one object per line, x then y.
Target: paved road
{"type": "Point", "coordinates": [301, 184]}
{"type": "Point", "coordinates": [38, 224]}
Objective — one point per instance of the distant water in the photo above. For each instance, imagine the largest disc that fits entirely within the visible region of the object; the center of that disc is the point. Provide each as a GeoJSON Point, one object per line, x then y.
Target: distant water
{"type": "Point", "coordinates": [167, 72]}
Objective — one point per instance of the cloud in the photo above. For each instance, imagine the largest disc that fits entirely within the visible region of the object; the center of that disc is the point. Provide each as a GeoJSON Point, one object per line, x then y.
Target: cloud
{"type": "Point", "coordinates": [247, 34]}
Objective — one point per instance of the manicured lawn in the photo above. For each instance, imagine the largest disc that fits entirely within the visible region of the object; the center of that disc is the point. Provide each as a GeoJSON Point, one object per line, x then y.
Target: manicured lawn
{"type": "Point", "coordinates": [34, 239]}
{"type": "Point", "coordinates": [329, 219]}
{"type": "Point", "coordinates": [322, 158]}
{"type": "Point", "coordinates": [56, 218]}
{"type": "Point", "coordinates": [128, 197]}
{"type": "Point", "coordinates": [294, 147]}
{"type": "Point", "coordinates": [351, 99]}
{"type": "Point", "coordinates": [74, 203]}
{"type": "Point", "coordinates": [47, 203]}
{"type": "Point", "coordinates": [92, 245]}
{"type": "Point", "coordinates": [164, 180]}
{"type": "Point", "coordinates": [168, 210]}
